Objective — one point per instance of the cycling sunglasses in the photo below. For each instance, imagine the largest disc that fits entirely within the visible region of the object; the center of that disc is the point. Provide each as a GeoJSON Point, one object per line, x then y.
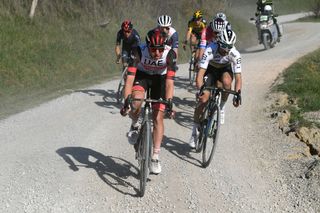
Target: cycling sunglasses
{"type": "Point", "coordinates": [166, 28]}
{"type": "Point", "coordinates": [154, 49]}
{"type": "Point", "coordinates": [225, 46]}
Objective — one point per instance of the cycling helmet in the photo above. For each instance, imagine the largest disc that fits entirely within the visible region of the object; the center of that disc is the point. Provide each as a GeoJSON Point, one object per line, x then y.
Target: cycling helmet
{"type": "Point", "coordinates": [197, 14]}
{"type": "Point", "coordinates": [155, 39]}
{"type": "Point", "coordinates": [222, 16]}
{"type": "Point", "coordinates": [227, 38]}
{"type": "Point", "coordinates": [126, 25]}
{"type": "Point", "coordinates": [218, 24]}
{"type": "Point", "coordinates": [267, 8]}
{"type": "Point", "coordinates": [164, 21]}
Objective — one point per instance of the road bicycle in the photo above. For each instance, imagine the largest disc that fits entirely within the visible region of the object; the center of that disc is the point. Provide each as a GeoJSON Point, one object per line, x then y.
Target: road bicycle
{"type": "Point", "coordinates": [210, 124]}
{"type": "Point", "coordinates": [144, 143]}
{"type": "Point", "coordinates": [122, 81]}
{"type": "Point", "coordinates": [192, 67]}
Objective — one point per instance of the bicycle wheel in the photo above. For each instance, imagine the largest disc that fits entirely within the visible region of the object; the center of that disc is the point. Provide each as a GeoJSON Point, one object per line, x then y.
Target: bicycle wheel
{"type": "Point", "coordinates": [121, 87]}
{"type": "Point", "coordinates": [191, 70]}
{"type": "Point", "coordinates": [145, 152]}
{"type": "Point", "coordinates": [212, 132]}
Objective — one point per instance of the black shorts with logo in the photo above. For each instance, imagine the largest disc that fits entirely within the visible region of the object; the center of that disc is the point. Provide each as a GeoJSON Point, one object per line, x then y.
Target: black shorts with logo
{"type": "Point", "coordinates": [213, 74]}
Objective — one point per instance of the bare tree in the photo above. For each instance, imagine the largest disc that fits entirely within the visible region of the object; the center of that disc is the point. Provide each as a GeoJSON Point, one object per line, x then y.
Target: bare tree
{"type": "Point", "coordinates": [33, 8]}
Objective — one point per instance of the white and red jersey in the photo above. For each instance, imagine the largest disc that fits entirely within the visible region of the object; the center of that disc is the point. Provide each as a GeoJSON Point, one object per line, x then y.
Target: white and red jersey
{"type": "Point", "coordinates": [207, 35]}
{"type": "Point", "coordinates": [212, 57]}
{"type": "Point", "coordinates": [166, 65]}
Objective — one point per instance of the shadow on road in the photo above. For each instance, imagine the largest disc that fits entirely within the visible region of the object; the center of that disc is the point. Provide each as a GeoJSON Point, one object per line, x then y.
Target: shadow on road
{"type": "Point", "coordinates": [109, 97]}
{"type": "Point", "coordinates": [180, 149]}
{"type": "Point", "coordinates": [112, 170]}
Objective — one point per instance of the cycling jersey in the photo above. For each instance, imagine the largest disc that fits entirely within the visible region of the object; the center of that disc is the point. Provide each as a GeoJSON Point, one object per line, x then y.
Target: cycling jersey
{"type": "Point", "coordinates": [207, 35]}
{"type": "Point", "coordinates": [128, 43]}
{"type": "Point", "coordinates": [213, 58]}
{"type": "Point", "coordinates": [173, 40]}
{"type": "Point", "coordinates": [195, 28]}
{"type": "Point", "coordinates": [143, 62]}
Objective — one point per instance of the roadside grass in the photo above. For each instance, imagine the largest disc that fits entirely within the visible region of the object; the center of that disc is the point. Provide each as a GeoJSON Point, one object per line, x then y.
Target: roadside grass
{"type": "Point", "coordinates": [301, 83]}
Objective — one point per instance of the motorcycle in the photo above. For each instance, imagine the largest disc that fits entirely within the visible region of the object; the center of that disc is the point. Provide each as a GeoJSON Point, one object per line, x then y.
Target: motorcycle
{"type": "Point", "coordinates": [267, 30]}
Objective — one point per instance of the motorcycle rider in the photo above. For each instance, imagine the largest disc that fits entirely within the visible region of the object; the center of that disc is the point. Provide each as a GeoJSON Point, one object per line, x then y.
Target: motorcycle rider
{"type": "Point", "coordinates": [264, 8]}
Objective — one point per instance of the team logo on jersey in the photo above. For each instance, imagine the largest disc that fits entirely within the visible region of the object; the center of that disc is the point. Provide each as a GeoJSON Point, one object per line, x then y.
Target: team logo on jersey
{"type": "Point", "coordinates": [158, 63]}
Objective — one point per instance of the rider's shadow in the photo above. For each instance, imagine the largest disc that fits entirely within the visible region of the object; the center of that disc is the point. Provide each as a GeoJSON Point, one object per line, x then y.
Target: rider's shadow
{"type": "Point", "coordinates": [109, 97]}
{"type": "Point", "coordinates": [180, 149]}
{"type": "Point", "coordinates": [108, 168]}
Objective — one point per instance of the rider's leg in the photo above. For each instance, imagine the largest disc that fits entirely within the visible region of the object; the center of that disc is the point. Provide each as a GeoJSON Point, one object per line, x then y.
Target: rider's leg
{"type": "Point", "coordinates": [158, 130]}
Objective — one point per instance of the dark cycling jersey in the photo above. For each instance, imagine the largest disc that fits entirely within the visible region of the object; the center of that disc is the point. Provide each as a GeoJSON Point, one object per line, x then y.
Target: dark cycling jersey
{"type": "Point", "coordinates": [128, 43]}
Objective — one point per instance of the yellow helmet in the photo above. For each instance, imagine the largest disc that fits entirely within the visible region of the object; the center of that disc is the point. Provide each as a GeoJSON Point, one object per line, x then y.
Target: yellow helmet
{"type": "Point", "coordinates": [197, 14]}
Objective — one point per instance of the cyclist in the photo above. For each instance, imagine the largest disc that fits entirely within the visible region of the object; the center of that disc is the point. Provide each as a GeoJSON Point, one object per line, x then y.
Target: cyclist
{"type": "Point", "coordinates": [130, 38]}
{"type": "Point", "coordinates": [164, 24]}
{"type": "Point", "coordinates": [220, 64]}
{"type": "Point", "coordinates": [153, 66]}
{"type": "Point", "coordinates": [210, 33]}
{"type": "Point", "coordinates": [195, 27]}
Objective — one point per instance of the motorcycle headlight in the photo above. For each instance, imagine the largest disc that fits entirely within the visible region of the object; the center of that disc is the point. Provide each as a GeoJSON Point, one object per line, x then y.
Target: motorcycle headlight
{"type": "Point", "coordinates": [263, 26]}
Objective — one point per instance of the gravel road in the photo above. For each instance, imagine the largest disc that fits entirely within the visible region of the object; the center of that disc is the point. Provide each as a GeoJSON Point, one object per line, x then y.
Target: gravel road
{"type": "Point", "coordinates": [71, 154]}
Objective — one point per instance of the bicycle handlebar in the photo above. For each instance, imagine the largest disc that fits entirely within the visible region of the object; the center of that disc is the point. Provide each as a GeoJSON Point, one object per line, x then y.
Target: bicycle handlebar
{"type": "Point", "coordinates": [218, 89]}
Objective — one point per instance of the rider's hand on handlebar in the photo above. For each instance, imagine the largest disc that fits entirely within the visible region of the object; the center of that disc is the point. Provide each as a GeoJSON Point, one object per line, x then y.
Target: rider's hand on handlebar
{"type": "Point", "coordinates": [118, 60]}
{"type": "Point", "coordinates": [126, 107]}
{"type": "Point", "coordinates": [184, 45]}
{"type": "Point", "coordinates": [169, 111]}
{"type": "Point", "coordinates": [237, 99]}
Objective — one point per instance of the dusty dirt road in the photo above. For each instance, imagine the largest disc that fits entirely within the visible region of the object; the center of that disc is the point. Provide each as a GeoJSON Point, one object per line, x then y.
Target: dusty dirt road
{"type": "Point", "coordinates": [71, 154]}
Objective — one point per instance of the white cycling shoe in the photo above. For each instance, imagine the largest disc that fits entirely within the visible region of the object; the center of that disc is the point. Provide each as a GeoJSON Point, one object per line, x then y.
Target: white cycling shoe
{"type": "Point", "coordinates": [155, 166]}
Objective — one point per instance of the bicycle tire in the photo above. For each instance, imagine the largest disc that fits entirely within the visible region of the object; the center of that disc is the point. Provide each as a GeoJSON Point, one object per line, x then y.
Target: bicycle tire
{"type": "Point", "coordinates": [145, 152]}
{"type": "Point", "coordinates": [211, 135]}
{"type": "Point", "coordinates": [120, 89]}
{"type": "Point", "coordinates": [191, 70]}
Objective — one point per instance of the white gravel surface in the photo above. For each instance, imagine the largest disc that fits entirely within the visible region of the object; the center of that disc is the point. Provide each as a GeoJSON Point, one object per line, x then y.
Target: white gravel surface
{"type": "Point", "coordinates": [71, 154]}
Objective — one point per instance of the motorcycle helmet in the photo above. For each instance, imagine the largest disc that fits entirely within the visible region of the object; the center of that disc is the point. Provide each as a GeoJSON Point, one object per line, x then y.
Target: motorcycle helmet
{"type": "Point", "coordinates": [267, 8]}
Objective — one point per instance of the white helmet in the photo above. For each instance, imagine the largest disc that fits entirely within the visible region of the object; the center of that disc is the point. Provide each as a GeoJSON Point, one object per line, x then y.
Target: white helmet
{"type": "Point", "coordinates": [267, 8]}
{"type": "Point", "coordinates": [221, 15]}
{"type": "Point", "coordinates": [218, 25]}
{"type": "Point", "coordinates": [227, 38]}
{"type": "Point", "coordinates": [164, 21]}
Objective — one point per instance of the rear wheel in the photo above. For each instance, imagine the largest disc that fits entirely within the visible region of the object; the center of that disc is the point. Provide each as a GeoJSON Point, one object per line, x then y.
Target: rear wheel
{"type": "Point", "coordinates": [192, 71]}
{"type": "Point", "coordinates": [212, 132]}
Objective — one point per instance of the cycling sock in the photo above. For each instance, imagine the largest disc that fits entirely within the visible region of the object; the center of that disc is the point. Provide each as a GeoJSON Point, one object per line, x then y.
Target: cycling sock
{"type": "Point", "coordinates": [155, 154]}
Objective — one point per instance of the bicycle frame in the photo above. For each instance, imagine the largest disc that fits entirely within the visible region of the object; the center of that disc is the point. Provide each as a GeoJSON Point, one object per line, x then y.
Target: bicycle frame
{"type": "Point", "coordinates": [145, 142]}
{"type": "Point", "coordinates": [210, 124]}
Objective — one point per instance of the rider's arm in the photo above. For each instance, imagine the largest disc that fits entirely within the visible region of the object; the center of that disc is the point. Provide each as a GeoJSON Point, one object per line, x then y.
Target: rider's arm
{"type": "Point", "coordinates": [175, 42]}
{"type": "Point", "coordinates": [237, 70]}
{"type": "Point", "coordinates": [200, 75]}
{"type": "Point", "coordinates": [117, 48]}
{"type": "Point", "coordinates": [171, 72]}
{"type": "Point", "coordinates": [132, 69]}
{"type": "Point", "coordinates": [137, 39]}
{"type": "Point", "coordinates": [203, 43]}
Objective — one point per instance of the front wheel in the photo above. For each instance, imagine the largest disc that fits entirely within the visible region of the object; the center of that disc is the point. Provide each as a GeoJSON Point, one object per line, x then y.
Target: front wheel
{"type": "Point", "coordinates": [266, 40]}
{"type": "Point", "coordinates": [120, 89]}
{"type": "Point", "coordinates": [144, 155]}
{"type": "Point", "coordinates": [212, 132]}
